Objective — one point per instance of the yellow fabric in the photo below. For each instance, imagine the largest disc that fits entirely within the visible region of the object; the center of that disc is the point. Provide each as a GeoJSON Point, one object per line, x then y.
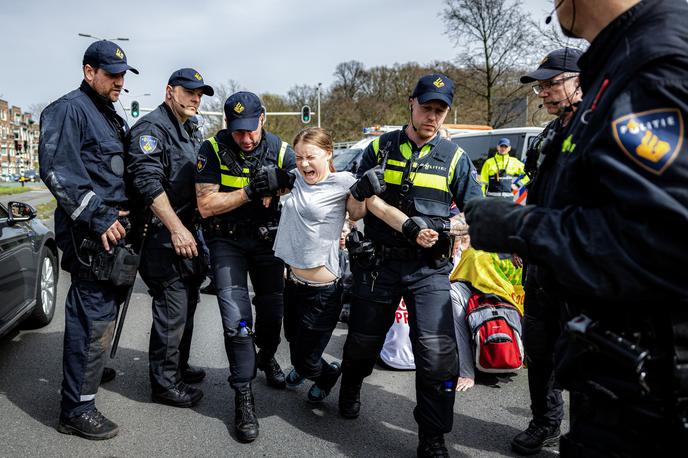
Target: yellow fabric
{"type": "Point", "coordinates": [498, 162]}
{"type": "Point", "coordinates": [491, 275]}
{"type": "Point", "coordinates": [232, 180]}
{"type": "Point", "coordinates": [280, 156]}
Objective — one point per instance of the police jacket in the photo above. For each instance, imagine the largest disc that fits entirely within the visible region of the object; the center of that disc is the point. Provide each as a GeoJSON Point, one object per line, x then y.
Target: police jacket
{"type": "Point", "coordinates": [81, 161]}
{"type": "Point", "coordinates": [499, 173]}
{"type": "Point", "coordinates": [221, 161]}
{"type": "Point", "coordinates": [612, 234]}
{"type": "Point", "coordinates": [161, 157]}
{"type": "Point", "coordinates": [420, 181]}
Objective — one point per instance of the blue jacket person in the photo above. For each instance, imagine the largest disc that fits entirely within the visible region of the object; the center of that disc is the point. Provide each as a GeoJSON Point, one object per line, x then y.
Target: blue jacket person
{"type": "Point", "coordinates": [421, 174]}
{"type": "Point", "coordinates": [81, 161]}
{"type": "Point", "coordinates": [161, 163]}
{"type": "Point", "coordinates": [608, 230]}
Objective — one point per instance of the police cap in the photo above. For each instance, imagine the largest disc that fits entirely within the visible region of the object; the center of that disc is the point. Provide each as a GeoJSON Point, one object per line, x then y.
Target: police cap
{"type": "Point", "coordinates": [243, 110]}
{"type": "Point", "coordinates": [108, 56]}
{"type": "Point", "coordinates": [434, 87]}
{"type": "Point", "coordinates": [558, 61]}
{"type": "Point", "coordinates": [190, 79]}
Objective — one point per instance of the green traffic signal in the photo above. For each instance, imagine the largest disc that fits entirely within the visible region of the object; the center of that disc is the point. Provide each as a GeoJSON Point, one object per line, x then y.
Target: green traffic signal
{"type": "Point", "coordinates": [135, 112]}
{"type": "Point", "coordinates": [306, 114]}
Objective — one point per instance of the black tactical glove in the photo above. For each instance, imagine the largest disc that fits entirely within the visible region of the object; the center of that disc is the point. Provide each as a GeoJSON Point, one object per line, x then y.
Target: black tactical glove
{"type": "Point", "coordinates": [269, 180]}
{"type": "Point", "coordinates": [412, 226]}
{"type": "Point", "coordinates": [493, 225]}
{"type": "Point", "coordinates": [251, 191]}
{"type": "Point", "coordinates": [372, 183]}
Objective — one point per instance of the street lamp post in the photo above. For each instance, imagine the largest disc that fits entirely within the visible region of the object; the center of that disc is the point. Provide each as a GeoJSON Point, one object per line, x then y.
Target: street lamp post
{"type": "Point", "coordinates": [319, 90]}
{"type": "Point", "coordinates": [86, 35]}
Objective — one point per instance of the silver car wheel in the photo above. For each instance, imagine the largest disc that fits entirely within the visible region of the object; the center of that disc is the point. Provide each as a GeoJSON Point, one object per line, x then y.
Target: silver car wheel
{"type": "Point", "coordinates": [48, 286]}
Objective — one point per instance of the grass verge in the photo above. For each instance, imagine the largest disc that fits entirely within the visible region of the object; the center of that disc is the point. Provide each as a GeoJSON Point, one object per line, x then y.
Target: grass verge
{"type": "Point", "coordinates": [46, 210]}
{"type": "Point", "coordinates": [9, 190]}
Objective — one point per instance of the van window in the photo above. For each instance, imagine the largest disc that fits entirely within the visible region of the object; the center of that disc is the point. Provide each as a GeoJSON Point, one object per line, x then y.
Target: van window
{"type": "Point", "coordinates": [481, 147]}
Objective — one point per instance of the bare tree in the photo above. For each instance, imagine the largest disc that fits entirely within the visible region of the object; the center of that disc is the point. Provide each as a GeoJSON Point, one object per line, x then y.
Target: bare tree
{"type": "Point", "coordinates": [301, 95]}
{"type": "Point", "coordinates": [36, 109]}
{"type": "Point", "coordinates": [551, 37]}
{"type": "Point", "coordinates": [494, 38]}
{"type": "Point", "coordinates": [350, 78]}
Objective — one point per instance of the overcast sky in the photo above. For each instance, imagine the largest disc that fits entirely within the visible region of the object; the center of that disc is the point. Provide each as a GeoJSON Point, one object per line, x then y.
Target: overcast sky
{"type": "Point", "coordinates": [264, 45]}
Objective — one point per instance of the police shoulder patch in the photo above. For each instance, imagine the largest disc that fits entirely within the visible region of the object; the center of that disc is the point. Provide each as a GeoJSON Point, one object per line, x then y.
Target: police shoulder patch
{"type": "Point", "coordinates": [200, 162]}
{"type": "Point", "coordinates": [652, 139]}
{"type": "Point", "coordinates": [148, 143]}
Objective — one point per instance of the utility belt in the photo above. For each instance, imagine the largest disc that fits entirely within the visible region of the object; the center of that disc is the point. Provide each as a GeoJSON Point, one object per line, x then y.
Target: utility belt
{"type": "Point", "coordinates": [265, 231]}
{"type": "Point", "coordinates": [368, 253]}
{"type": "Point", "coordinates": [117, 266]}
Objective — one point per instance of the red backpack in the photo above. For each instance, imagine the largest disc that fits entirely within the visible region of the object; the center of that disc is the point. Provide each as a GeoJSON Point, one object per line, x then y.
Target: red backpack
{"type": "Point", "coordinates": [496, 329]}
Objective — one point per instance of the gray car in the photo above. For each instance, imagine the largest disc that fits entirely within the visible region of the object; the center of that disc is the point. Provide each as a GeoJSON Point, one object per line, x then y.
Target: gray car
{"type": "Point", "coordinates": [29, 268]}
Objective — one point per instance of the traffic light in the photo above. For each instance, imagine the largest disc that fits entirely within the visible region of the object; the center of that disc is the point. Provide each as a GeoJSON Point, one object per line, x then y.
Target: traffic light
{"type": "Point", "coordinates": [306, 114]}
{"type": "Point", "coordinates": [135, 112]}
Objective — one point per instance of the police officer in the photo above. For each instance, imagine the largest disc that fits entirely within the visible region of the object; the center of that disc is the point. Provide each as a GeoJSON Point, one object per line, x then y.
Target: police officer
{"type": "Point", "coordinates": [81, 161]}
{"type": "Point", "coordinates": [608, 233]}
{"type": "Point", "coordinates": [501, 172]}
{"type": "Point", "coordinates": [423, 174]}
{"type": "Point", "coordinates": [240, 225]}
{"type": "Point", "coordinates": [161, 163]}
{"type": "Point", "coordinates": [558, 87]}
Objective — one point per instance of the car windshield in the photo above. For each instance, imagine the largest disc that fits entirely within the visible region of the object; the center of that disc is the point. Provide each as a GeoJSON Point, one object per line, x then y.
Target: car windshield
{"type": "Point", "coordinates": [480, 147]}
{"type": "Point", "coordinates": [342, 158]}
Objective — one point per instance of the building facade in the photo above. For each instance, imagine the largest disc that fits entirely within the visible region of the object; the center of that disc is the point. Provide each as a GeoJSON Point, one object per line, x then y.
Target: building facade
{"type": "Point", "coordinates": [18, 142]}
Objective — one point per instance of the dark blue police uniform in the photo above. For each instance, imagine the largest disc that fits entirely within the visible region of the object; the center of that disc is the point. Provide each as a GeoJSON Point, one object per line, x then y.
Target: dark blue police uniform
{"type": "Point", "coordinates": [162, 158]}
{"type": "Point", "coordinates": [609, 237]}
{"type": "Point", "coordinates": [81, 162]}
{"type": "Point", "coordinates": [420, 182]}
{"type": "Point", "coordinates": [240, 243]}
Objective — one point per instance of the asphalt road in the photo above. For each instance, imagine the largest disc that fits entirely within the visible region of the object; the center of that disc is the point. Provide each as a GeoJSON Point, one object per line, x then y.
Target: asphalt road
{"type": "Point", "coordinates": [485, 418]}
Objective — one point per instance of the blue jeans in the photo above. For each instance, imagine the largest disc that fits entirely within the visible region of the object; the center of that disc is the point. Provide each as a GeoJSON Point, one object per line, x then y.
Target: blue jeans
{"type": "Point", "coordinates": [310, 315]}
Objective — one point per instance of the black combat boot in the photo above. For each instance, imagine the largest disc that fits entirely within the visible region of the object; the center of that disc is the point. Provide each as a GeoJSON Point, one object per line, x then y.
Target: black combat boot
{"type": "Point", "coordinates": [531, 441]}
{"type": "Point", "coordinates": [273, 372]}
{"type": "Point", "coordinates": [245, 420]}
{"type": "Point", "coordinates": [191, 374]}
{"type": "Point", "coordinates": [349, 398]}
{"type": "Point", "coordinates": [431, 446]}
{"type": "Point", "coordinates": [180, 395]}
{"type": "Point", "coordinates": [89, 425]}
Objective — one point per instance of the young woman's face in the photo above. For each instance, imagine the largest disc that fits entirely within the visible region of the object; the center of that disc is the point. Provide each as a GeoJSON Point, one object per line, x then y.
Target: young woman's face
{"type": "Point", "coordinates": [313, 162]}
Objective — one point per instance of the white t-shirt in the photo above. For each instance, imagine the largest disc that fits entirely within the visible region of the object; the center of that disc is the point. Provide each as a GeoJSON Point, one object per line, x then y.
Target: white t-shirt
{"type": "Point", "coordinates": [311, 222]}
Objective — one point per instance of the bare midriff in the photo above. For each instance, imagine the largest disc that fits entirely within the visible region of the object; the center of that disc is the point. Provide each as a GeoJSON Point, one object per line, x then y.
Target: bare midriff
{"type": "Point", "coordinates": [316, 274]}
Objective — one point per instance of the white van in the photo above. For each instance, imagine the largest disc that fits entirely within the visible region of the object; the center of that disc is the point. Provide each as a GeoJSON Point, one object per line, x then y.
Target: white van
{"type": "Point", "coordinates": [481, 145]}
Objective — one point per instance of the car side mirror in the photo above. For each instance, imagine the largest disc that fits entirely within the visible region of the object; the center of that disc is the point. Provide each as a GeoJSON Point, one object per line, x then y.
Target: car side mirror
{"type": "Point", "coordinates": [19, 211]}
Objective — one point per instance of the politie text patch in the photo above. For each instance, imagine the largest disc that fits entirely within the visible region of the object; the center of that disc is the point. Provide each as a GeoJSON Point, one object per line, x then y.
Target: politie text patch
{"type": "Point", "coordinates": [652, 139]}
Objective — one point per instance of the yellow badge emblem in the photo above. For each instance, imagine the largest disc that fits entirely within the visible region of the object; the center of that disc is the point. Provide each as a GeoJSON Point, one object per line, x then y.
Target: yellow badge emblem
{"type": "Point", "coordinates": [238, 108]}
{"type": "Point", "coordinates": [652, 139]}
{"type": "Point", "coordinates": [198, 76]}
{"type": "Point", "coordinates": [119, 53]}
{"type": "Point", "coordinates": [544, 60]}
{"type": "Point", "coordinates": [438, 83]}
